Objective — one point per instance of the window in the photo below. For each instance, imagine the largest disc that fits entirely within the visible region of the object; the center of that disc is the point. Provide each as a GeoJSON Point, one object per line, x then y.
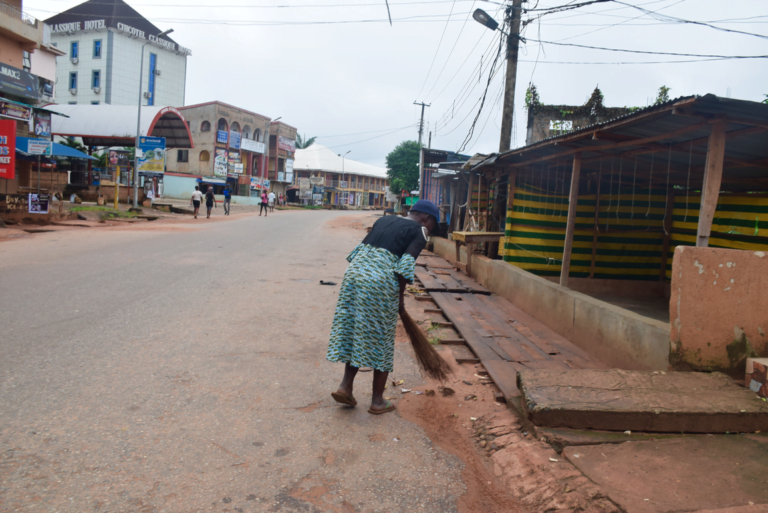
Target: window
{"type": "Point", "coordinates": [72, 103]}
{"type": "Point", "coordinates": [182, 156]}
{"type": "Point", "coordinates": [222, 125]}
{"type": "Point", "coordinates": [235, 127]}
{"type": "Point", "coordinates": [95, 103]}
{"type": "Point", "coordinates": [205, 156]}
{"type": "Point", "coordinates": [73, 50]}
{"type": "Point", "coordinates": [246, 132]}
{"type": "Point", "coordinates": [205, 126]}
{"type": "Point", "coordinates": [27, 63]}
{"type": "Point", "coordinates": [97, 49]}
{"type": "Point", "coordinates": [257, 135]}
{"type": "Point", "coordinates": [73, 80]}
{"type": "Point", "coordinates": [96, 78]}
{"type": "Point", "coordinates": [152, 69]}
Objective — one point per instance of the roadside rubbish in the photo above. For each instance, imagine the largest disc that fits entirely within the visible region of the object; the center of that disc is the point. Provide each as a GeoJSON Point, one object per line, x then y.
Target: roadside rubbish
{"type": "Point", "coordinates": [446, 391]}
{"type": "Point", "coordinates": [327, 282]}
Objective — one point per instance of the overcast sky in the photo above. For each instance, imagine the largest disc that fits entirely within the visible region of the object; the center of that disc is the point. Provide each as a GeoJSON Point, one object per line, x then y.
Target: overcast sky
{"type": "Point", "coordinates": [353, 84]}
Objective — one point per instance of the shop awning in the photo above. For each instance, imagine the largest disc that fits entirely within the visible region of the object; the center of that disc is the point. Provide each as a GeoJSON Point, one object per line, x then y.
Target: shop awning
{"type": "Point", "coordinates": [28, 106]}
{"type": "Point", "coordinates": [58, 150]}
{"type": "Point", "coordinates": [212, 181]}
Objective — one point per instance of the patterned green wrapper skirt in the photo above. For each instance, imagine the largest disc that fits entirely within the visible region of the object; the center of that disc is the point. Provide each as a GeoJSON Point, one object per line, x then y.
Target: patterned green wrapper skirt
{"type": "Point", "coordinates": [363, 330]}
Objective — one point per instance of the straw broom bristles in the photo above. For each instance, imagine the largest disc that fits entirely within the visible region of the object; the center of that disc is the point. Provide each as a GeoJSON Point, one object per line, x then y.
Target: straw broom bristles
{"type": "Point", "coordinates": [428, 358]}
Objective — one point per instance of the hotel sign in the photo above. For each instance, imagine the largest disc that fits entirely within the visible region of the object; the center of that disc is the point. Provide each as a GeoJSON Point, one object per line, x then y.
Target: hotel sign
{"type": "Point", "coordinates": [7, 149]}
{"type": "Point", "coordinates": [78, 26]}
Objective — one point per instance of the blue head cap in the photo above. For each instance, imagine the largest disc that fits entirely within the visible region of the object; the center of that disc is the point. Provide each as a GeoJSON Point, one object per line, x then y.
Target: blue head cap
{"type": "Point", "coordinates": [427, 207]}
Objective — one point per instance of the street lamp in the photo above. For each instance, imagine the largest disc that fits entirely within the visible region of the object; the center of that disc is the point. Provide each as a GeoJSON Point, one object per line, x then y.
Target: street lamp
{"type": "Point", "coordinates": [483, 18]}
{"type": "Point", "coordinates": [138, 126]}
{"type": "Point", "coordinates": [342, 164]}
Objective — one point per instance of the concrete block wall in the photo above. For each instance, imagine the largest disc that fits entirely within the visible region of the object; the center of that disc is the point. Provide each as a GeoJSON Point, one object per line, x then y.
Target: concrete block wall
{"type": "Point", "coordinates": [616, 336]}
{"type": "Point", "coordinates": [719, 308]}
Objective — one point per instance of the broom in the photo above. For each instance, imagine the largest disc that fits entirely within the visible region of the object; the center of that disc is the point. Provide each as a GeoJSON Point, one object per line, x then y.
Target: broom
{"type": "Point", "coordinates": [428, 358]}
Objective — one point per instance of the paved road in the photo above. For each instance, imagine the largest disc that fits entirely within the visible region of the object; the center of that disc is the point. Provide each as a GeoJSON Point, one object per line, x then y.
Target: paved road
{"type": "Point", "coordinates": [181, 368]}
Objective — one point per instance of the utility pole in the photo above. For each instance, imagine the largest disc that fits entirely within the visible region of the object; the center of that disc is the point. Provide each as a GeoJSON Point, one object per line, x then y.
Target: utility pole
{"type": "Point", "coordinates": [513, 17]}
{"type": "Point", "coordinates": [421, 153]}
{"type": "Point", "coordinates": [421, 123]}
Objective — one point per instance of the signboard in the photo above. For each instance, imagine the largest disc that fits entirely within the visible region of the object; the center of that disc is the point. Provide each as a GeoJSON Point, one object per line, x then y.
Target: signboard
{"type": "Point", "coordinates": [39, 147]}
{"type": "Point", "coordinates": [7, 149]}
{"type": "Point", "coordinates": [38, 203]}
{"type": "Point", "coordinates": [286, 144]}
{"type": "Point", "coordinates": [343, 184]}
{"type": "Point", "coordinates": [289, 177]}
{"type": "Point", "coordinates": [305, 188]}
{"type": "Point", "coordinates": [152, 154]}
{"type": "Point", "coordinates": [289, 166]}
{"type": "Point", "coordinates": [254, 146]}
{"type": "Point", "coordinates": [221, 136]}
{"type": "Point", "coordinates": [317, 180]}
{"type": "Point", "coordinates": [233, 162]}
{"type": "Point", "coordinates": [317, 199]}
{"type": "Point", "coordinates": [234, 140]}
{"type": "Point", "coordinates": [14, 111]}
{"type": "Point", "coordinates": [280, 176]}
{"type": "Point", "coordinates": [69, 23]}
{"type": "Point", "coordinates": [255, 183]}
{"type": "Point", "coordinates": [265, 184]}
{"type": "Point", "coordinates": [42, 124]}
{"type": "Point", "coordinates": [220, 162]}
{"type": "Point", "coordinates": [18, 82]}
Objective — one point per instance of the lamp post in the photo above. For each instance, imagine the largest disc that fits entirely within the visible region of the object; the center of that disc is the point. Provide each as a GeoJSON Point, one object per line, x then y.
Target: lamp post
{"type": "Point", "coordinates": [138, 126]}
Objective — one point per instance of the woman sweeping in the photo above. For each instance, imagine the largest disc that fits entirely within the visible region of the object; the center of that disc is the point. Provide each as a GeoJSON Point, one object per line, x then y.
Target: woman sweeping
{"type": "Point", "coordinates": [363, 331]}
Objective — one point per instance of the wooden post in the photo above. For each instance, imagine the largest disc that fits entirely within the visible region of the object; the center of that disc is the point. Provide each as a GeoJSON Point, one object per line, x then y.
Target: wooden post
{"type": "Point", "coordinates": [570, 227]}
{"type": "Point", "coordinates": [595, 230]}
{"type": "Point", "coordinates": [667, 232]}
{"type": "Point", "coordinates": [469, 206]}
{"type": "Point", "coordinates": [713, 175]}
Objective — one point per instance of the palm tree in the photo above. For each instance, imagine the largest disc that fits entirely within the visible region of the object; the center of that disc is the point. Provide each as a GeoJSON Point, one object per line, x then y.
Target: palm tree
{"type": "Point", "coordinates": [303, 143]}
{"type": "Point", "coordinates": [72, 143]}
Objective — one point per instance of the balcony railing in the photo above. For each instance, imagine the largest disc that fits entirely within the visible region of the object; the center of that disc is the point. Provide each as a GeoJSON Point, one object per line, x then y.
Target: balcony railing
{"type": "Point", "coordinates": [354, 185]}
{"type": "Point", "coordinates": [15, 13]}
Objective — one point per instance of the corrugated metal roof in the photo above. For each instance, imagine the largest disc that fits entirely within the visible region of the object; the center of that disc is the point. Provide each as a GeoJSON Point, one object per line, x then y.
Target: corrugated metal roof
{"type": "Point", "coordinates": [320, 158]}
{"type": "Point", "coordinates": [672, 136]}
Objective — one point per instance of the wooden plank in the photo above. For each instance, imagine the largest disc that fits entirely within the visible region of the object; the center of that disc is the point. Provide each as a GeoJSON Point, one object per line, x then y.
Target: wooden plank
{"type": "Point", "coordinates": [432, 310]}
{"type": "Point", "coordinates": [463, 323]}
{"type": "Point", "coordinates": [470, 284]}
{"type": "Point", "coordinates": [422, 298]}
{"type": "Point", "coordinates": [540, 332]}
{"type": "Point", "coordinates": [453, 341]}
{"type": "Point", "coordinates": [468, 360]}
{"type": "Point", "coordinates": [571, 223]}
{"type": "Point", "coordinates": [429, 281]}
{"type": "Point", "coordinates": [713, 175]}
{"type": "Point", "coordinates": [504, 375]}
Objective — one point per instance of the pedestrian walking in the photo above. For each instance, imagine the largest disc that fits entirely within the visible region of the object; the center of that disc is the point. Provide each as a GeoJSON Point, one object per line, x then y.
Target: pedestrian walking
{"type": "Point", "coordinates": [363, 330]}
{"type": "Point", "coordinates": [272, 198]}
{"type": "Point", "coordinates": [197, 197]}
{"type": "Point", "coordinates": [227, 199]}
{"type": "Point", "coordinates": [280, 200]}
{"type": "Point", "coordinates": [264, 204]}
{"type": "Point", "coordinates": [210, 200]}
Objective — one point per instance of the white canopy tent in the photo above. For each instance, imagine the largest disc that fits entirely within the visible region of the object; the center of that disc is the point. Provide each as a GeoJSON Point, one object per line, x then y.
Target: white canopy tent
{"type": "Point", "coordinates": [115, 125]}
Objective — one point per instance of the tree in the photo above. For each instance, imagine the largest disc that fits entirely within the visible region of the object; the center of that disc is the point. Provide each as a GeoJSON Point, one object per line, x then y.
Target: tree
{"type": "Point", "coordinates": [663, 96]}
{"type": "Point", "coordinates": [102, 161]}
{"type": "Point", "coordinates": [403, 167]}
{"type": "Point", "coordinates": [303, 143]}
{"type": "Point", "coordinates": [72, 143]}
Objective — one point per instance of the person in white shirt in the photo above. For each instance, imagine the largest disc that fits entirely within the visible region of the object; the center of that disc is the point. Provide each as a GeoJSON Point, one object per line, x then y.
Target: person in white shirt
{"type": "Point", "coordinates": [197, 197]}
{"type": "Point", "coordinates": [272, 201]}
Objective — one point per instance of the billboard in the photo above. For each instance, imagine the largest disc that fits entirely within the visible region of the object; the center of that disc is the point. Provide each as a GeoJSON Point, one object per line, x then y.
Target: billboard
{"type": "Point", "coordinates": [234, 140]}
{"type": "Point", "coordinates": [7, 149]}
{"type": "Point", "coordinates": [286, 144]}
{"type": "Point", "coordinates": [220, 162]}
{"type": "Point", "coordinates": [151, 154]}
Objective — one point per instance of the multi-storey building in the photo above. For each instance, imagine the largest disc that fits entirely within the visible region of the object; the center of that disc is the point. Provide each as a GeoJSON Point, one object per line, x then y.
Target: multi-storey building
{"type": "Point", "coordinates": [282, 146]}
{"type": "Point", "coordinates": [229, 147]}
{"type": "Point", "coordinates": [27, 76]}
{"type": "Point", "coordinates": [344, 182]}
{"type": "Point", "coordinates": [103, 41]}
